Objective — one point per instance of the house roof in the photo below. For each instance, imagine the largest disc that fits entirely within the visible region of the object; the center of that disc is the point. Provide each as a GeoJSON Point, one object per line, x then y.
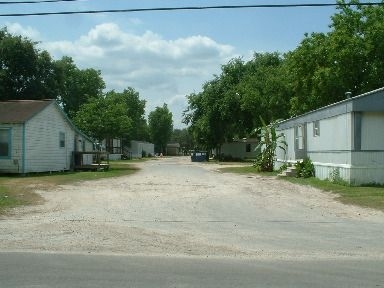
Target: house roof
{"type": "Point", "coordinates": [20, 111]}
{"type": "Point", "coordinates": [372, 101]}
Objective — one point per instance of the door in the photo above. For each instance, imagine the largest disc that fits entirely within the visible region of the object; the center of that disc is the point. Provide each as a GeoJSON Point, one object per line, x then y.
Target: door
{"type": "Point", "coordinates": [300, 141]}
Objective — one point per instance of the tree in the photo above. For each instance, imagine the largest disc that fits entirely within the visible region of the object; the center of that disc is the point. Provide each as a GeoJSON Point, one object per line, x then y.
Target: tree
{"type": "Point", "coordinates": [348, 58]}
{"type": "Point", "coordinates": [264, 91]}
{"type": "Point", "coordinates": [25, 71]}
{"type": "Point", "coordinates": [77, 86]}
{"type": "Point", "coordinates": [102, 118]}
{"type": "Point", "coordinates": [160, 127]}
{"type": "Point", "coordinates": [183, 137]}
{"type": "Point", "coordinates": [117, 115]}
{"type": "Point", "coordinates": [135, 109]}
{"type": "Point", "coordinates": [230, 105]}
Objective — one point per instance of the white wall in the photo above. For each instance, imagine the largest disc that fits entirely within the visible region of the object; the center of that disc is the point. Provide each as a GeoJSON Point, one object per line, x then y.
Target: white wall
{"type": "Point", "coordinates": [43, 151]}
{"type": "Point", "coordinates": [372, 131]}
{"type": "Point", "coordinates": [289, 153]}
{"type": "Point", "coordinates": [238, 150]}
{"type": "Point", "coordinates": [335, 134]}
{"type": "Point", "coordinates": [137, 147]}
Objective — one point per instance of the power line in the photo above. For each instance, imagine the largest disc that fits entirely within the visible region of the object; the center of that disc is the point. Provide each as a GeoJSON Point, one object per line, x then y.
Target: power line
{"type": "Point", "coordinates": [187, 8]}
{"type": "Point", "coordinates": [36, 2]}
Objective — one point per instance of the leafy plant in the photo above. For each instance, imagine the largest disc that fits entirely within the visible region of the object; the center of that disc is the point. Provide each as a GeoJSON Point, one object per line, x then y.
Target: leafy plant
{"type": "Point", "coordinates": [283, 167]}
{"type": "Point", "coordinates": [305, 169]}
{"type": "Point", "coordinates": [334, 177]}
{"type": "Point", "coordinates": [269, 142]}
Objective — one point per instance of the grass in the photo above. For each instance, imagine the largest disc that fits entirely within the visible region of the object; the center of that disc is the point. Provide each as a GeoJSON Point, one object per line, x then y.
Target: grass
{"type": "Point", "coordinates": [18, 190]}
{"type": "Point", "coordinates": [248, 169]}
{"type": "Point", "coordinates": [363, 196]}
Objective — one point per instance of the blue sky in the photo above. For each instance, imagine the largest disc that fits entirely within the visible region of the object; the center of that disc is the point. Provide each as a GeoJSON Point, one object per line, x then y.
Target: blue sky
{"type": "Point", "coordinates": [165, 55]}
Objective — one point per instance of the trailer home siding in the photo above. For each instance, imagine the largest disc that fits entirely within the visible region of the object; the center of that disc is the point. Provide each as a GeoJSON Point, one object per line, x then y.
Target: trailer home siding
{"type": "Point", "coordinates": [344, 140]}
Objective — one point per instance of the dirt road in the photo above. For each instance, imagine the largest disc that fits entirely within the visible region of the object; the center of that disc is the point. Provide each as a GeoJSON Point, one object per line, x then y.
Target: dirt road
{"type": "Point", "coordinates": [178, 208]}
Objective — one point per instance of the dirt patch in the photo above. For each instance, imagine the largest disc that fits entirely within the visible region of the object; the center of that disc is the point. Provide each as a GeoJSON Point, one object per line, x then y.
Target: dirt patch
{"type": "Point", "coordinates": [175, 207]}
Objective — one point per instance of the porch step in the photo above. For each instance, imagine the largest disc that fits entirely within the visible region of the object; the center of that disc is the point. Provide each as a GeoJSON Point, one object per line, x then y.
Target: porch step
{"type": "Point", "coordinates": [289, 172]}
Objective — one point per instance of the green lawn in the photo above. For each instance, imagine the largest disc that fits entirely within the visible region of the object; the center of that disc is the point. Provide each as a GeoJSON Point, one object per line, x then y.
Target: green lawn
{"type": "Point", "coordinates": [18, 190]}
{"type": "Point", "coordinates": [370, 197]}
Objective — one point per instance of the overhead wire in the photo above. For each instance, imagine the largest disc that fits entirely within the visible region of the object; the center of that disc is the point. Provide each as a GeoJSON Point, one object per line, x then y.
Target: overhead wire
{"type": "Point", "coordinates": [158, 9]}
{"type": "Point", "coordinates": [36, 2]}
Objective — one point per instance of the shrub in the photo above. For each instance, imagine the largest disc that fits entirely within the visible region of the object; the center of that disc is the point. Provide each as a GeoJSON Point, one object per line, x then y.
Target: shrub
{"type": "Point", "coordinates": [334, 177]}
{"type": "Point", "coordinates": [305, 169]}
{"type": "Point", "coordinates": [283, 167]}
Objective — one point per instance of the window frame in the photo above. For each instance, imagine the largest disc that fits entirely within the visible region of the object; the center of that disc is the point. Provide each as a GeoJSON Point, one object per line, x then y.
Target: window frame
{"type": "Point", "coordinates": [248, 148]}
{"type": "Point", "coordinates": [61, 140]}
{"type": "Point", "coordinates": [316, 128]}
{"type": "Point", "coordinates": [8, 132]}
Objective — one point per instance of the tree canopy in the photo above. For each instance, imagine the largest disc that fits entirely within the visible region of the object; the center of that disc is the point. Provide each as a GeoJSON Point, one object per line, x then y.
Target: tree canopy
{"type": "Point", "coordinates": [29, 73]}
{"type": "Point", "coordinates": [117, 115]}
{"type": "Point", "coordinates": [160, 125]}
{"type": "Point", "coordinates": [324, 66]}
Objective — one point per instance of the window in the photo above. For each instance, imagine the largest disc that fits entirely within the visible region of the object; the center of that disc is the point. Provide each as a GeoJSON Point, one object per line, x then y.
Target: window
{"type": "Point", "coordinates": [62, 139]}
{"type": "Point", "coordinates": [248, 148]}
{"type": "Point", "coordinates": [5, 143]}
{"type": "Point", "coordinates": [299, 137]}
{"type": "Point", "coordinates": [316, 128]}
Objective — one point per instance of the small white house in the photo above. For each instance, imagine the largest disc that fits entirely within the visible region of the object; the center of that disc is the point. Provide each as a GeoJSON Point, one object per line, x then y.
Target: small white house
{"type": "Point", "coordinates": [37, 136]}
{"type": "Point", "coordinates": [344, 140]}
{"type": "Point", "coordinates": [173, 149]}
{"type": "Point", "coordinates": [138, 147]}
{"type": "Point", "coordinates": [240, 148]}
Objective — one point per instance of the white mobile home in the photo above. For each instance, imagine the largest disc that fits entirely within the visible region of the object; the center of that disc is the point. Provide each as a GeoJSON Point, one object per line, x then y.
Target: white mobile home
{"type": "Point", "coordinates": [138, 148]}
{"type": "Point", "coordinates": [37, 136]}
{"type": "Point", "coordinates": [345, 139]}
{"type": "Point", "coordinates": [240, 149]}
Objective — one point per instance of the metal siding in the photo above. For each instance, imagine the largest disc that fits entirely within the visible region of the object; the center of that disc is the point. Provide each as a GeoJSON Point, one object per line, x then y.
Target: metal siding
{"type": "Point", "coordinates": [372, 131]}
{"type": "Point", "coordinates": [289, 154]}
{"type": "Point", "coordinates": [238, 150]}
{"type": "Point", "coordinates": [342, 126]}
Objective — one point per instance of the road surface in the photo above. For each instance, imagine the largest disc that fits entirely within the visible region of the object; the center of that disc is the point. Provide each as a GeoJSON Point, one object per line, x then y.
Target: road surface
{"type": "Point", "coordinates": [177, 213]}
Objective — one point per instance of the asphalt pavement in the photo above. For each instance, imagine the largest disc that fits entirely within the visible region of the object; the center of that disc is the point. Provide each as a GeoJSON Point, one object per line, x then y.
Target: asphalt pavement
{"type": "Point", "coordinates": [27, 270]}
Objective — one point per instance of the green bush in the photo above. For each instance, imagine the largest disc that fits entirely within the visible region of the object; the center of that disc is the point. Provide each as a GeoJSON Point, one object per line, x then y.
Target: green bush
{"type": "Point", "coordinates": [305, 169]}
{"type": "Point", "coordinates": [334, 177]}
{"type": "Point", "coordinates": [283, 167]}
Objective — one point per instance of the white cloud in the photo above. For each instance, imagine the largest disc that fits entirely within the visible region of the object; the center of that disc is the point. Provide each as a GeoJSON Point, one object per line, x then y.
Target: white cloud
{"type": "Point", "coordinates": [29, 32]}
{"type": "Point", "coordinates": [161, 70]}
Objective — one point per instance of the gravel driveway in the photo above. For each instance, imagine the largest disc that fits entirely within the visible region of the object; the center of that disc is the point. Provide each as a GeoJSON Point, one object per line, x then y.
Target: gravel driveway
{"type": "Point", "coordinates": [178, 208]}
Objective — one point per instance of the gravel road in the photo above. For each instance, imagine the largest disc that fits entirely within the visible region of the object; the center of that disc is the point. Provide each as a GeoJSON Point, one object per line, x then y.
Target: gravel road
{"type": "Point", "coordinates": [174, 207]}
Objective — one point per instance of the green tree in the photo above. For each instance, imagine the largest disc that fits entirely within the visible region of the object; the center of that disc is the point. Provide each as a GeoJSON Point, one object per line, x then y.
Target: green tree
{"type": "Point", "coordinates": [103, 118]}
{"type": "Point", "coordinates": [230, 105]}
{"type": "Point", "coordinates": [264, 91]}
{"type": "Point", "coordinates": [117, 115]}
{"type": "Point", "coordinates": [135, 109]}
{"type": "Point", "coordinates": [25, 71]}
{"type": "Point", "coordinates": [160, 125]}
{"type": "Point", "coordinates": [348, 58]}
{"type": "Point", "coordinates": [77, 86]}
{"type": "Point", "coordinates": [183, 137]}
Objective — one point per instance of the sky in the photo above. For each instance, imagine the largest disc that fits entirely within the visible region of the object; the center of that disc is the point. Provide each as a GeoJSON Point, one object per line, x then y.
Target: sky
{"type": "Point", "coordinates": [164, 55]}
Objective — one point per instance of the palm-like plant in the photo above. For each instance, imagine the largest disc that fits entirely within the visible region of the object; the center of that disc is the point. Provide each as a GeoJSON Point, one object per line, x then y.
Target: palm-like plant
{"type": "Point", "coordinates": [269, 142]}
